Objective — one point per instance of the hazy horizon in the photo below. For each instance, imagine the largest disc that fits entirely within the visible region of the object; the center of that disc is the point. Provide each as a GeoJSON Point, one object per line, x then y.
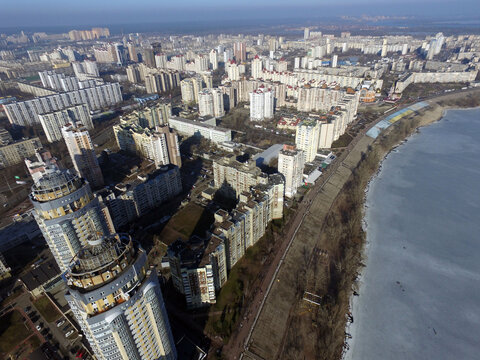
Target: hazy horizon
{"type": "Point", "coordinates": [29, 13]}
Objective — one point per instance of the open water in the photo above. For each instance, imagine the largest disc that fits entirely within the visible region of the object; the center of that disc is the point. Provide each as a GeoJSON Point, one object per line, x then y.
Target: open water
{"type": "Point", "coordinates": [420, 289]}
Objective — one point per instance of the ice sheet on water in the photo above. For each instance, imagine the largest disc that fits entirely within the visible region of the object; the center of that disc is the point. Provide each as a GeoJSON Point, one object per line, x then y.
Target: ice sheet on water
{"type": "Point", "coordinates": [419, 294]}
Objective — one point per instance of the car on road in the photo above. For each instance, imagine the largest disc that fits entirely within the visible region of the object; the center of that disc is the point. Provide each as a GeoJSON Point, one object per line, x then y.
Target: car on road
{"type": "Point", "coordinates": [60, 322]}
{"type": "Point", "coordinates": [69, 333]}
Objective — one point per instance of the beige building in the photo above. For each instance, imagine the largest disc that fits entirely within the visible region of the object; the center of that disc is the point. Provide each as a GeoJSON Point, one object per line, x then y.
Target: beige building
{"type": "Point", "coordinates": [16, 152]}
{"type": "Point", "coordinates": [81, 150]}
{"type": "Point", "coordinates": [67, 213]}
{"type": "Point", "coordinates": [190, 88]}
{"type": "Point", "coordinates": [149, 116]}
{"type": "Point", "coordinates": [117, 301]}
{"type": "Point", "coordinates": [160, 145]}
{"type": "Point", "coordinates": [247, 223]}
{"type": "Point", "coordinates": [239, 177]}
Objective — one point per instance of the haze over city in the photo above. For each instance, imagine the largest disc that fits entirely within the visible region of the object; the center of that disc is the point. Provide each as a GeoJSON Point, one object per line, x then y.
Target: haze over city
{"type": "Point", "coordinates": [90, 12]}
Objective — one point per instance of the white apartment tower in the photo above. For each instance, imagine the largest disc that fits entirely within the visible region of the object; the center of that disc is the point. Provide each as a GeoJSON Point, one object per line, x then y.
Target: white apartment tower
{"type": "Point", "coordinates": [257, 66]}
{"type": "Point", "coordinates": [53, 122]}
{"type": "Point", "coordinates": [291, 165]}
{"type": "Point", "coordinates": [306, 138]}
{"type": "Point", "coordinates": [232, 70]}
{"type": "Point", "coordinates": [262, 104]}
{"type": "Point", "coordinates": [81, 150]}
{"type": "Point", "coordinates": [306, 33]}
{"type": "Point", "coordinates": [210, 103]}
{"type": "Point", "coordinates": [213, 59]}
{"type": "Point", "coordinates": [334, 61]}
{"type": "Point", "coordinates": [190, 88]}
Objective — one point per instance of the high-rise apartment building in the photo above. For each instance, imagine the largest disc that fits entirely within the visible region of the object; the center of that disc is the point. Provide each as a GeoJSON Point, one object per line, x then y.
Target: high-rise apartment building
{"type": "Point", "coordinates": [161, 81]}
{"type": "Point", "coordinates": [247, 223]}
{"type": "Point", "coordinates": [81, 150]}
{"type": "Point", "coordinates": [384, 48]}
{"type": "Point", "coordinates": [5, 137]}
{"type": "Point", "coordinates": [257, 66]}
{"type": "Point", "coordinates": [198, 270]}
{"type": "Point", "coordinates": [53, 122]}
{"type": "Point", "coordinates": [117, 301]}
{"type": "Point", "coordinates": [133, 74]}
{"type": "Point", "coordinates": [262, 104]}
{"type": "Point", "coordinates": [240, 51]}
{"type": "Point", "coordinates": [132, 52]}
{"type": "Point", "coordinates": [138, 195]}
{"type": "Point", "coordinates": [334, 61]}
{"type": "Point", "coordinates": [232, 70]}
{"type": "Point", "coordinates": [26, 113]}
{"type": "Point", "coordinates": [213, 59]}
{"type": "Point", "coordinates": [95, 33]}
{"type": "Point", "coordinates": [306, 33]}
{"type": "Point", "coordinates": [148, 56]}
{"type": "Point", "coordinates": [84, 70]}
{"type": "Point", "coordinates": [190, 88]}
{"type": "Point", "coordinates": [149, 116]}
{"type": "Point", "coordinates": [161, 61]}
{"type": "Point", "coordinates": [237, 176]}
{"type": "Point", "coordinates": [210, 103]}
{"type": "Point", "coordinates": [306, 138]}
{"type": "Point", "coordinates": [67, 213]}
{"type": "Point", "coordinates": [291, 165]}
{"type": "Point", "coordinates": [160, 145]}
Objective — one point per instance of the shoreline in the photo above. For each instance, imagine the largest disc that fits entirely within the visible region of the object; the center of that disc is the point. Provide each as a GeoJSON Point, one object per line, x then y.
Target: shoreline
{"type": "Point", "coordinates": [427, 118]}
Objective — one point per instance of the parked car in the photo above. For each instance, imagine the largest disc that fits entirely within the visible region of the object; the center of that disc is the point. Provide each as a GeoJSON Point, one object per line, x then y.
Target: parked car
{"type": "Point", "coordinates": [69, 333]}
{"type": "Point", "coordinates": [38, 327]}
{"type": "Point", "coordinates": [60, 322]}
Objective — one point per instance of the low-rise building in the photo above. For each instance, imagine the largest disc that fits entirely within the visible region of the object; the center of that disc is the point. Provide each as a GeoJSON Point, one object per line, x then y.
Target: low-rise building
{"type": "Point", "coordinates": [40, 277]}
{"type": "Point", "coordinates": [205, 129]}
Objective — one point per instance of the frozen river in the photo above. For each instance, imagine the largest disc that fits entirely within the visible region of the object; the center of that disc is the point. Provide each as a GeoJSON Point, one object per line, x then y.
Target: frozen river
{"type": "Point", "coordinates": [420, 290]}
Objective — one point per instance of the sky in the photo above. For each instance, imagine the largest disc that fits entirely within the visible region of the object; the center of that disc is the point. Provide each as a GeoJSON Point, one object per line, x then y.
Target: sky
{"type": "Point", "coordinates": [17, 13]}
